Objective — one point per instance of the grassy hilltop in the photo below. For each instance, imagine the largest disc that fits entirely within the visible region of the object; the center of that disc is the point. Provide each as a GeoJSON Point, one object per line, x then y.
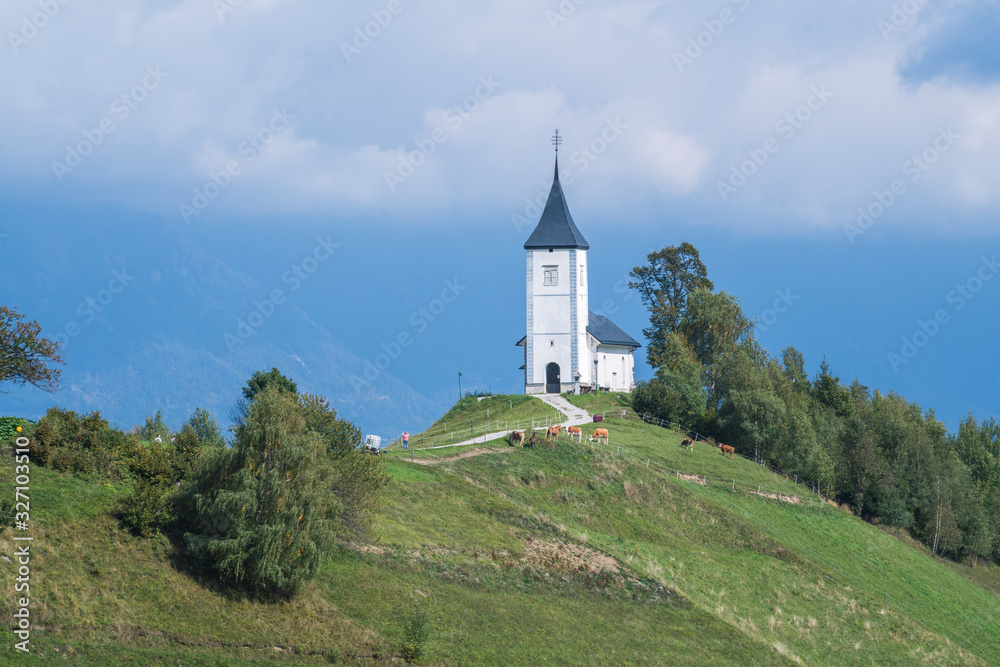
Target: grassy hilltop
{"type": "Point", "coordinates": [638, 552]}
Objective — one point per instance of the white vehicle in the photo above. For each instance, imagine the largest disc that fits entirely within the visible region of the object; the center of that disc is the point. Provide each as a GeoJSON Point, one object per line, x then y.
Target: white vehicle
{"type": "Point", "coordinates": [373, 444]}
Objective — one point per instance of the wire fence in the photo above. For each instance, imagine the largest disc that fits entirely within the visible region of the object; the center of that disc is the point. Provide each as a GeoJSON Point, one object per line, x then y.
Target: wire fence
{"type": "Point", "coordinates": [470, 431]}
{"type": "Point", "coordinates": [729, 483]}
{"type": "Point", "coordinates": [473, 429]}
{"type": "Point", "coordinates": [814, 487]}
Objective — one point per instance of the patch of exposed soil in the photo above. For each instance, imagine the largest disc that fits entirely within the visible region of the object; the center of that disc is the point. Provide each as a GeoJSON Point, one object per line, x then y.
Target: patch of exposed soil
{"type": "Point", "coordinates": [783, 497]}
{"type": "Point", "coordinates": [567, 556]}
{"type": "Point", "coordinates": [475, 451]}
{"type": "Point", "coordinates": [697, 479]}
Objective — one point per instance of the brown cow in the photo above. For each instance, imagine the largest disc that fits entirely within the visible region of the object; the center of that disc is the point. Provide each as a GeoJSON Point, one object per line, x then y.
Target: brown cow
{"type": "Point", "coordinates": [599, 434]}
{"type": "Point", "coordinates": [688, 444]}
{"type": "Point", "coordinates": [575, 432]}
{"type": "Point", "coordinates": [726, 449]}
{"type": "Point", "coordinates": [516, 437]}
{"type": "Point", "coordinates": [552, 431]}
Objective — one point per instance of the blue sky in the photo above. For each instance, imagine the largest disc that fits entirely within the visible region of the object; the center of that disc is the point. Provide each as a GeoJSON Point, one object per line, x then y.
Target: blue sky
{"type": "Point", "coordinates": [843, 155]}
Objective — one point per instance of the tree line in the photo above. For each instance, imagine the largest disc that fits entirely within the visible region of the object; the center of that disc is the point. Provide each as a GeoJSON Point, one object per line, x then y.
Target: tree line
{"type": "Point", "coordinates": [889, 460]}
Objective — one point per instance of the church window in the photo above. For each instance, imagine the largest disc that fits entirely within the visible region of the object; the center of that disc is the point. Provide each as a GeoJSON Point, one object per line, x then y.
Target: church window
{"type": "Point", "coordinates": [583, 273]}
{"type": "Point", "coordinates": [551, 276]}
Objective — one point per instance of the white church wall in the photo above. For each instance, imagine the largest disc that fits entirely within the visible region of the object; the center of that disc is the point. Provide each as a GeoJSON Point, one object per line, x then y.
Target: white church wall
{"type": "Point", "coordinates": [615, 367]}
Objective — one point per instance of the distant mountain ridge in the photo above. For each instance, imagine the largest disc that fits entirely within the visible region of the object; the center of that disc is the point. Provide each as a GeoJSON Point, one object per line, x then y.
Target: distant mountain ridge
{"type": "Point", "coordinates": [151, 320]}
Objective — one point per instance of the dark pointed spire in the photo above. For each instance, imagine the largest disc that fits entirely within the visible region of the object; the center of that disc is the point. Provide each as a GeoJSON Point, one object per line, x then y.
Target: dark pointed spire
{"type": "Point", "coordinates": [556, 228]}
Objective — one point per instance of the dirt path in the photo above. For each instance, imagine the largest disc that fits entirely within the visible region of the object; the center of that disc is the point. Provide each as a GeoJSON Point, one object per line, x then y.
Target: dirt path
{"type": "Point", "coordinates": [476, 451]}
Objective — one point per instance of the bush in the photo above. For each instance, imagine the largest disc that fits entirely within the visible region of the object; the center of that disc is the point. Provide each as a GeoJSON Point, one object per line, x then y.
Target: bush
{"type": "Point", "coordinates": [41, 454]}
{"type": "Point", "coordinates": [91, 428]}
{"type": "Point", "coordinates": [63, 459]}
{"type": "Point", "coordinates": [656, 399]}
{"type": "Point", "coordinates": [8, 427]}
{"type": "Point", "coordinates": [7, 512]}
{"type": "Point", "coordinates": [145, 510]}
{"type": "Point", "coordinates": [61, 427]}
{"type": "Point", "coordinates": [151, 463]}
{"type": "Point", "coordinates": [416, 632]}
{"type": "Point", "coordinates": [46, 433]}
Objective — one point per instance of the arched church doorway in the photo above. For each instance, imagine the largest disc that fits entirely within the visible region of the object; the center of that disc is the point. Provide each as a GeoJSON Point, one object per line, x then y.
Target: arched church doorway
{"type": "Point", "coordinates": [552, 383]}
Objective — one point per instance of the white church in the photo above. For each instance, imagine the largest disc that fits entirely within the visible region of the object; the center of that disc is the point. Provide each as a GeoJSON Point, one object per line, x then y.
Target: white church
{"type": "Point", "coordinates": [568, 348]}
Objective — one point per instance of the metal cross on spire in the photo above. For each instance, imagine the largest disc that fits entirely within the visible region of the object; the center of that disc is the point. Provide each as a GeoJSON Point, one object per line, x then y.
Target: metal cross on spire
{"type": "Point", "coordinates": [556, 140]}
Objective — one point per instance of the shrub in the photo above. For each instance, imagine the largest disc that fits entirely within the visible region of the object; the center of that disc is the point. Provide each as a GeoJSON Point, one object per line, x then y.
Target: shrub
{"type": "Point", "coordinates": [84, 461]}
{"type": "Point", "coordinates": [46, 433]}
{"type": "Point", "coordinates": [416, 632]}
{"type": "Point", "coordinates": [63, 425]}
{"type": "Point", "coordinates": [8, 427]}
{"type": "Point", "coordinates": [152, 463]}
{"type": "Point", "coordinates": [63, 459]}
{"type": "Point", "coordinates": [658, 400]}
{"type": "Point", "coordinates": [91, 428]}
{"type": "Point", "coordinates": [145, 510]}
{"type": "Point", "coordinates": [41, 454]}
{"type": "Point", "coordinates": [7, 512]}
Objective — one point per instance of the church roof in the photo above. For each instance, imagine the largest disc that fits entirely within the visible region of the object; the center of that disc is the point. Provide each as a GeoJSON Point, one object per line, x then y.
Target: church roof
{"type": "Point", "coordinates": [608, 333]}
{"type": "Point", "coordinates": [556, 228]}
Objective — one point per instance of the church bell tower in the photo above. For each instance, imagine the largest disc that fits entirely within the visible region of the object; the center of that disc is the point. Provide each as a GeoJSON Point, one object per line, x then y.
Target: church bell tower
{"type": "Point", "coordinates": [556, 347]}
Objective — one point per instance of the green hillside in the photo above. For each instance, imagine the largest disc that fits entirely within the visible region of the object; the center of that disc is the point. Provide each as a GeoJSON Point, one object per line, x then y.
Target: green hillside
{"type": "Point", "coordinates": [638, 552]}
{"type": "Point", "coordinates": [473, 416]}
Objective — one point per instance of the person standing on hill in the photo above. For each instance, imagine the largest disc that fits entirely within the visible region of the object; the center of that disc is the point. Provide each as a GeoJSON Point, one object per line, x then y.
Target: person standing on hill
{"type": "Point", "coordinates": [406, 440]}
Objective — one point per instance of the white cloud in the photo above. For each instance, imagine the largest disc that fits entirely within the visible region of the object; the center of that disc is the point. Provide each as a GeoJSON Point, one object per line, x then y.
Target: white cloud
{"type": "Point", "coordinates": [356, 120]}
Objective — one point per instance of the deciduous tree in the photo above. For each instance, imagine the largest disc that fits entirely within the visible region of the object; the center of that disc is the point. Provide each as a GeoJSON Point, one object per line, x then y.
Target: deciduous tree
{"type": "Point", "coordinates": [664, 284]}
{"type": "Point", "coordinates": [24, 355]}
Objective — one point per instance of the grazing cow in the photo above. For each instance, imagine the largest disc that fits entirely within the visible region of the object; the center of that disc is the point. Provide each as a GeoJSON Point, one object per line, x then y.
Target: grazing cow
{"type": "Point", "coordinates": [599, 434]}
{"type": "Point", "coordinates": [575, 432]}
{"type": "Point", "coordinates": [688, 444]}
{"type": "Point", "coordinates": [516, 437]}
{"type": "Point", "coordinates": [552, 431]}
{"type": "Point", "coordinates": [531, 443]}
{"type": "Point", "coordinates": [726, 449]}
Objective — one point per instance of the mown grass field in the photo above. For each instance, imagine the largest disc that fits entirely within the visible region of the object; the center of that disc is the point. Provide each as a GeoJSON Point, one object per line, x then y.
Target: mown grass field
{"type": "Point", "coordinates": [563, 554]}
